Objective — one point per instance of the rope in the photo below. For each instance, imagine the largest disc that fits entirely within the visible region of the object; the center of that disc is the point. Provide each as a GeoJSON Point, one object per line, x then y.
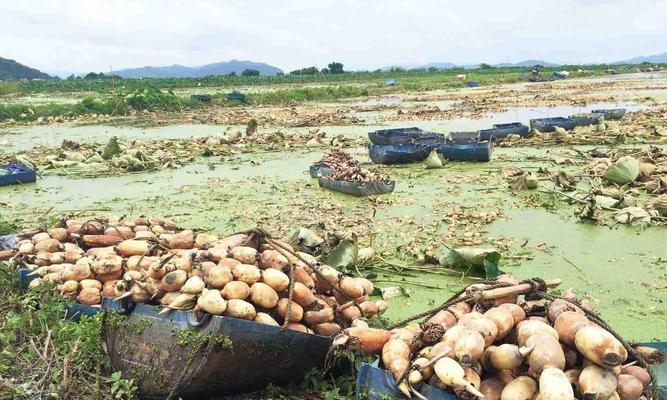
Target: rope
{"type": "Point", "coordinates": [266, 237]}
{"type": "Point", "coordinates": [288, 313]}
{"type": "Point", "coordinates": [599, 321]}
{"type": "Point", "coordinates": [455, 298]}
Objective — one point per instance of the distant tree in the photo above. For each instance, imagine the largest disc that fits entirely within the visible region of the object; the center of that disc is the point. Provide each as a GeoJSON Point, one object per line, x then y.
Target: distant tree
{"type": "Point", "coordinates": [250, 72]}
{"type": "Point", "coordinates": [71, 77]}
{"type": "Point", "coordinates": [233, 73]}
{"type": "Point", "coordinates": [433, 69]}
{"type": "Point", "coordinates": [335, 67]}
{"type": "Point", "coordinates": [306, 71]}
{"type": "Point", "coordinates": [325, 71]}
{"type": "Point", "coordinates": [484, 66]}
{"type": "Point", "coordinates": [280, 73]}
{"type": "Point", "coordinates": [91, 75]}
{"type": "Point", "coordinates": [396, 69]}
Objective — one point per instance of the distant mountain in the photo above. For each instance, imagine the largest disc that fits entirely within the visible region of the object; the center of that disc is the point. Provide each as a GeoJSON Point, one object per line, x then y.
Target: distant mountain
{"type": "Point", "coordinates": [654, 59]}
{"type": "Point", "coordinates": [527, 63]}
{"type": "Point", "coordinates": [448, 65]}
{"type": "Point", "coordinates": [180, 71]}
{"type": "Point", "coordinates": [11, 70]}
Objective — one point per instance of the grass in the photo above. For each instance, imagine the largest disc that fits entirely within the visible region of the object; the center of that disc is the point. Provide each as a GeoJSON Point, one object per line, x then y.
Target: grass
{"type": "Point", "coordinates": [9, 87]}
{"type": "Point", "coordinates": [43, 356]}
{"type": "Point", "coordinates": [118, 102]}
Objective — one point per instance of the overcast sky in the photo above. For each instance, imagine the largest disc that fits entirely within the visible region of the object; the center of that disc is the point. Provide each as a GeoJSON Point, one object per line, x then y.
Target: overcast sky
{"type": "Point", "coordinates": [91, 35]}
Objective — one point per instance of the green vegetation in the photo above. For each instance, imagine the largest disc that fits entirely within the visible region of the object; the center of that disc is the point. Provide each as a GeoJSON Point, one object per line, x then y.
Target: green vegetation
{"type": "Point", "coordinates": [116, 102]}
{"type": "Point", "coordinates": [41, 354]}
{"type": "Point", "coordinates": [9, 87]}
{"type": "Point", "coordinates": [250, 72]}
{"type": "Point", "coordinates": [122, 388]}
{"type": "Point", "coordinates": [7, 227]}
{"type": "Point", "coordinates": [199, 340]}
{"type": "Point", "coordinates": [227, 81]}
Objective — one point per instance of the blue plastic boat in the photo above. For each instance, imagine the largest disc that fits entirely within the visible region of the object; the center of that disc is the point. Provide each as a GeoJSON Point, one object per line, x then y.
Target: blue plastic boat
{"type": "Point", "coordinates": [390, 82]}
{"type": "Point", "coordinates": [203, 98]}
{"type": "Point", "coordinates": [585, 119]}
{"type": "Point", "coordinates": [16, 173]}
{"type": "Point", "coordinates": [463, 137]}
{"type": "Point", "coordinates": [398, 153]}
{"type": "Point", "coordinates": [236, 96]}
{"type": "Point", "coordinates": [208, 357]}
{"type": "Point", "coordinates": [318, 171]}
{"type": "Point", "coordinates": [611, 113]}
{"type": "Point", "coordinates": [404, 135]}
{"type": "Point", "coordinates": [550, 124]}
{"type": "Point", "coordinates": [472, 83]}
{"type": "Point", "coordinates": [374, 383]}
{"type": "Point", "coordinates": [500, 131]}
{"type": "Point", "coordinates": [471, 151]}
{"type": "Point", "coordinates": [358, 189]}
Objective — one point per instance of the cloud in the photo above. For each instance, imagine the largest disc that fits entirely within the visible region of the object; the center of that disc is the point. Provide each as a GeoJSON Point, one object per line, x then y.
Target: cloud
{"type": "Point", "coordinates": [87, 35]}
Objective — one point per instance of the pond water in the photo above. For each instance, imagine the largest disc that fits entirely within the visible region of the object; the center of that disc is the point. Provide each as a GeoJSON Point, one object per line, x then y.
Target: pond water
{"type": "Point", "coordinates": [624, 270]}
{"type": "Point", "coordinates": [23, 138]}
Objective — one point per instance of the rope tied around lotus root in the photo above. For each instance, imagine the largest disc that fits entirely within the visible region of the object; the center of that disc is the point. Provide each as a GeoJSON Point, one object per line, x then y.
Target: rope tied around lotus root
{"type": "Point", "coordinates": [455, 298]}
{"type": "Point", "coordinates": [600, 322]}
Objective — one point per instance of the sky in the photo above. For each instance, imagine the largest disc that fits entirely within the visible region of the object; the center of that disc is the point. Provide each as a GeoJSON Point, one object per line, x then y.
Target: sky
{"type": "Point", "coordinates": [100, 35]}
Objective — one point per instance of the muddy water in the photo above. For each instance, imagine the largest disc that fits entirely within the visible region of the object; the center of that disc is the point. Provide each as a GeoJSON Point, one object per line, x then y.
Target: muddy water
{"type": "Point", "coordinates": [623, 270]}
{"type": "Point", "coordinates": [24, 138]}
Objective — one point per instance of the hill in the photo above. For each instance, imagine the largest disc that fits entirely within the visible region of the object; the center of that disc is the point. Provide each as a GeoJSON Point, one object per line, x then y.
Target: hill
{"type": "Point", "coordinates": [654, 59]}
{"type": "Point", "coordinates": [180, 71]}
{"type": "Point", "coordinates": [11, 70]}
{"type": "Point", "coordinates": [527, 63]}
{"type": "Point", "coordinates": [448, 65]}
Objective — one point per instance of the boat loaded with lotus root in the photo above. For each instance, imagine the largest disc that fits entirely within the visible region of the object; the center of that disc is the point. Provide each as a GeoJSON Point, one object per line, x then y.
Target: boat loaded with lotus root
{"type": "Point", "coordinates": [234, 306]}
{"type": "Point", "coordinates": [504, 340]}
{"type": "Point", "coordinates": [344, 174]}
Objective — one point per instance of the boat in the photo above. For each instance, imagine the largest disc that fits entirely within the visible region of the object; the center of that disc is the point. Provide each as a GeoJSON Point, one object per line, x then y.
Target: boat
{"type": "Point", "coordinates": [358, 189]}
{"type": "Point", "coordinates": [12, 174]}
{"type": "Point", "coordinates": [585, 119]}
{"type": "Point", "coordinates": [550, 124]}
{"type": "Point", "coordinates": [472, 83]}
{"type": "Point", "coordinates": [463, 137]}
{"type": "Point", "coordinates": [375, 383]}
{"type": "Point", "coordinates": [179, 355]}
{"type": "Point", "coordinates": [203, 98]}
{"type": "Point", "coordinates": [500, 131]}
{"type": "Point", "coordinates": [611, 113]}
{"type": "Point", "coordinates": [317, 171]}
{"type": "Point", "coordinates": [236, 96]}
{"type": "Point", "coordinates": [470, 151]}
{"type": "Point", "coordinates": [404, 135]}
{"type": "Point", "coordinates": [660, 370]}
{"type": "Point", "coordinates": [398, 153]}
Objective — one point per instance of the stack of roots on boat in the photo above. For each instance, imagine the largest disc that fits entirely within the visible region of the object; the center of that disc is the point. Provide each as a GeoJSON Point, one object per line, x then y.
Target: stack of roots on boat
{"type": "Point", "coordinates": [510, 340]}
{"type": "Point", "coordinates": [247, 275]}
{"type": "Point", "coordinates": [345, 168]}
